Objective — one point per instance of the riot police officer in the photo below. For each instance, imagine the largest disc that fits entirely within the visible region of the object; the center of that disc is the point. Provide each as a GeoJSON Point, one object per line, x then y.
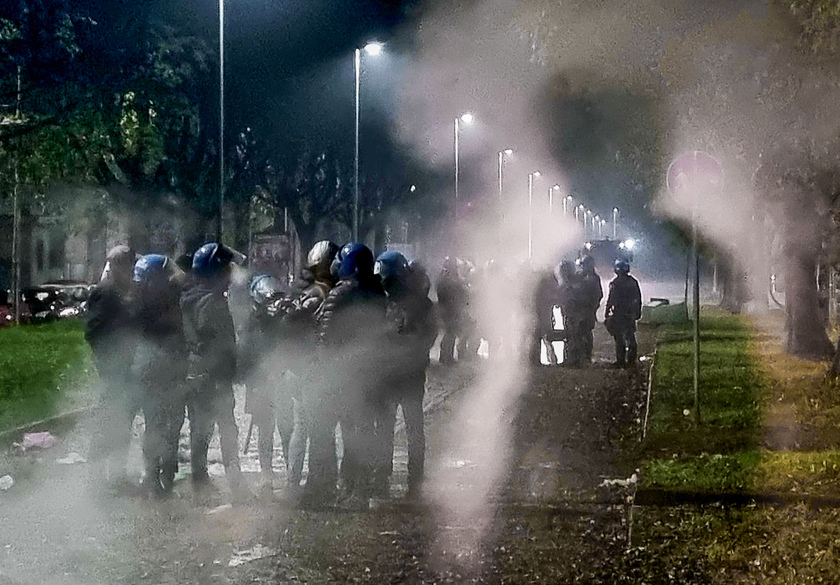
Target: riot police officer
{"type": "Point", "coordinates": [624, 308]}
{"type": "Point", "coordinates": [350, 328]}
{"type": "Point", "coordinates": [211, 341]}
{"type": "Point", "coordinates": [453, 297]}
{"type": "Point", "coordinates": [571, 307]}
{"type": "Point", "coordinates": [317, 418]}
{"type": "Point", "coordinates": [410, 333]}
{"type": "Point", "coordinates": [159, 366]}
{"type": "Point", "coordinates": [268, 398]}
{"type": "Point", "coordinates": [109, 331]}
{"type": "Point", "coordinates": [591, 295]}
{"type": "Point", "coordinates": [546, 298]}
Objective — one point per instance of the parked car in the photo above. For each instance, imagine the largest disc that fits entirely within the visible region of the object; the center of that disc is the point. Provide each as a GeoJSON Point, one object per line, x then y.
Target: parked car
{"type": "Point", "coordinates": [56, 300]}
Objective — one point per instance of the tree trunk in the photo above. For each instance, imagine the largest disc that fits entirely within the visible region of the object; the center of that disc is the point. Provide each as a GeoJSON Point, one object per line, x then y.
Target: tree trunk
{"type": "Point", "coordinates": [805, 333]}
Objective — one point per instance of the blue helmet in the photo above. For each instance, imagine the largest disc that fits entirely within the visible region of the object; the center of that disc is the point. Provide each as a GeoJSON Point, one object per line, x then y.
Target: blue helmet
{"type": "Point", "coordinates": [149, 267]}
{"type": "Point", "coordinates": [622, 266]}
{"type": "Point", "coordinates": [211, 259]}
{"type": "Point", "coordinates": [265, 288]}
{"type": "Point", "coordinates": [354, 260]}
{"type": "Point", "coordinates": [391, 265]}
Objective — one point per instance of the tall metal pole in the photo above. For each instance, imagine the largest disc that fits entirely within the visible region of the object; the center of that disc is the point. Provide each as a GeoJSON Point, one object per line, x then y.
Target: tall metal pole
{"type": "Point", "coordinates": [615, 222]}
{"type": "Point", "coordinates": [357, 60]}
{"type": "Point", "coordinates": [221, 119]}
{"type": "Point", "coordinates": [696, 316]}
{"type": "Point", "coordinates": [530, 214]}
{"type": "Point", "coordinates": [457, 132]}
{"type": "Point", "coordinates": [501, 187]}
{"type": "Point", "coordinates": [16, 212]}
{"type": "Point", "coordinates": [550, 201]}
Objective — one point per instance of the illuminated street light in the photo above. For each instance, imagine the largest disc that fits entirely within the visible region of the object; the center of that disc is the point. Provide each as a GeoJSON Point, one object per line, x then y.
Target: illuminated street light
{"type": "Point", "coordinates": [566, 200]}
{"type": "Point", "coordinates": [503, 154]}
{"type": "Point", "coordinates": [372, 49]}
{"type": "Point", "coordinates": [531, 178]}
{"type": "Point", "coordinates": [615, 221]}
{"type": "Point", "coordinates": [467, 118]}
{"type": "Point", "coordinates": [551, 199]}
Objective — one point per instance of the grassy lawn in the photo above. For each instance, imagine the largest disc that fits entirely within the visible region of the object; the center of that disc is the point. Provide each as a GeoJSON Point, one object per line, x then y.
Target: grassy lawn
{"type": "Point", "coordinates": [770, 424]}
{"type": "Point", "coordinates": [44, 369]}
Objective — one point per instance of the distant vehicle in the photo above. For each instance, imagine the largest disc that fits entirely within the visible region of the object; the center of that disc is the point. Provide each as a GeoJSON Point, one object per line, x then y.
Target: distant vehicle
{"type": "Point", "coordinates": [56, 300]}
{"type": "Point", "coordinates": [606, 251]}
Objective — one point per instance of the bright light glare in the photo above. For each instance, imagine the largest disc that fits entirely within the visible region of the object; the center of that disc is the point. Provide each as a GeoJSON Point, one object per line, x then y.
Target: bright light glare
{"type": "Point", "coordinates": [467, 118]}
{"type": "Point", "coordinates": [569, 197]}
{"type": "Point", "coordinates": [413, 188]}
{"type": "Point", "coordinates": [536, 173]}
{"type": "Point", "coordinates": [556, 187]}
{"type": "Point", "coordinates": [508, 151]}
{"type": "Point", "coordinates": [615, 209]}
{"type": "Point", "coordinates": [629, 243]}
{"type": "Point", "coordinates": [373, 49]}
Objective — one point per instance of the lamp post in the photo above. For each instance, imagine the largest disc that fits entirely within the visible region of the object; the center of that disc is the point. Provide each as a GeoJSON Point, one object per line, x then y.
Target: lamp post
{"type": "Point", "coordinates": [372, 49]}
{"type": "Point", "coordinates": [503, 154]}
{"type": "Point", "coordinates": [600, 228]}
{"type": "Point", "coordinates": [615, 221]}
{"type": "Point", "coordinates": [221, 119]}
{"type": "Point", "coordinates": [531, 178]}
{"type": "Point", "coordinates": [468, 119]}
{"type": "Point", "coordinates": [566, 200]}
{"type": "Point", "coordinates": [551, 199]}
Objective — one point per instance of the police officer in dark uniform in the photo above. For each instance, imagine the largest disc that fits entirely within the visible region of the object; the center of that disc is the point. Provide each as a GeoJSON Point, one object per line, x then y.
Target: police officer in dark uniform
{"type": "Point", "coordinates": [316, 420]}
{"type": "Point", "coordinates": [159, 367]}
{"type": "Point", "coordinates": [350, 327]}
{"type": "Point", "coordinates": [571, 306]}
{"type": "Point", "coordinates": [211, 341]}
{"type": "Point", "coordinates": [453, 296]}
{"type": "Point", "coordinates": [109, 331]}
{"type": "Point", "coordinates": [591, 295]}
{"type": "Point", "coordinates": [546, 298]}
{"type": "Point", "coordinates": [269, 398]}
{"type": "Point", "coordinates": [624, 308]}
{"type": "Point", "coordinates": [410, 334]}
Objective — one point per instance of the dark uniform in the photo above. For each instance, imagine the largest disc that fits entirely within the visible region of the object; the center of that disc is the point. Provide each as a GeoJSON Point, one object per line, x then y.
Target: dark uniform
{"type": "Point", "coordinates": [160, 369]}
{"type": "Point", "coordinates": [591, 295]}
{"type": "Point", "coordinates": [411, 332]}
{"type": "Point", "coordinates": [453, 298]}
{"type": "Point", "coordinates": [546, 298]}
{"type": "Point", "coordinates": [573, 309]}
{"type": "Point", "coordinates": [349, 346]}
{"type": "Point", "coordinates": [110, 332]}
{"type": "Point", "coordinates": [263, 361]}
{"type": "Point", "coordinates": [211, 340]}
{"type": "Point", "coordinates": [624, 308]}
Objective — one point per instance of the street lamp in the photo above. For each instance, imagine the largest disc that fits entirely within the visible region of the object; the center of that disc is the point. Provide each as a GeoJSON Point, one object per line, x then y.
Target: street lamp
{"type": "Point", "coordinates": [600, 228]}
{"type": "Point", "coordinates": [467, 118]}
{"type": "Point", "coordinates": [586, 217]}
{"type": "Point", "coordinates": [221, 118]}
{"type": "Point", "coordinates": [531, 178]}
{"type": "Point", "coordinates": [503, 154]}
{"type": "Point", "coordinates": [551, 199]}
{"type": "Point", "coordinates": [566, 200]}
{"type": "Point", "coordinates": [372, 49]}
{"type": "Point", "coordinates": [615, 221]}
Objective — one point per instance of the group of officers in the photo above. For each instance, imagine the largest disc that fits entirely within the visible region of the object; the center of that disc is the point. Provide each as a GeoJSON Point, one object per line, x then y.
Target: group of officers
{"type": "Point", "coordinates": [346, 348]}
{"type": "Point", "coordinates": [342, 350]}
{"type": "Point", "coordinates": [576, 290]}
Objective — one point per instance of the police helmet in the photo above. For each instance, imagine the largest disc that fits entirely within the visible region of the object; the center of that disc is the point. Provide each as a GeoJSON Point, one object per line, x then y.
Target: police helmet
{"type": "Point", "coordinates": [321, 256]}
{"type": "Point", "coordinates": [150, 267]}
{"type": "Point", "coordinates": [622, 266]}
{"type": "Point", "coordinates": [391, 265]}
{"type": "Point", "coordinates": [210, 260]}
{"type": "Point", "coordinates": [265, 288]}
{"type": "Point", "coordinates": [354, 260]}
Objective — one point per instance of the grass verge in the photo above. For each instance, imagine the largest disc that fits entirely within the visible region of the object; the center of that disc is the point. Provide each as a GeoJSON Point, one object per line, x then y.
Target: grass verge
{"type": "Point", "coordinates": [43, 369]}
